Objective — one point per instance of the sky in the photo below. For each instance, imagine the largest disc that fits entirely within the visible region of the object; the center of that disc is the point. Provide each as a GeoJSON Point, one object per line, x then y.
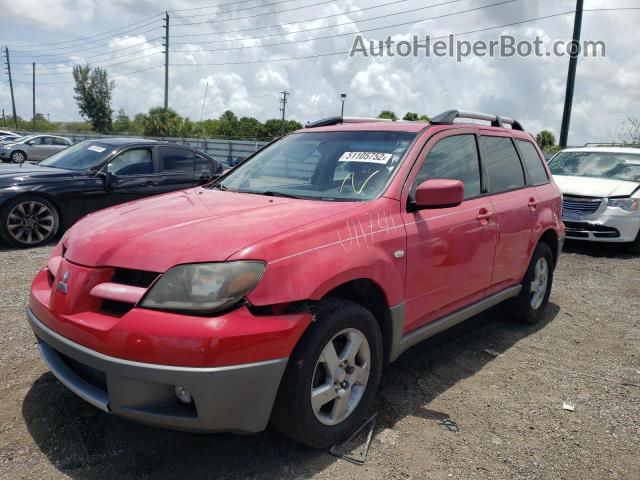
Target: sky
{"type": "Point", "coordinates": [214, 48]}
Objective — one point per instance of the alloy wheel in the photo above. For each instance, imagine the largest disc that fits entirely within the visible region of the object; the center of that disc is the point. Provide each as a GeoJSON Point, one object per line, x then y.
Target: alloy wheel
{"type": "Point", "coordinates": [340, 377]}
{"type": "Point", "coordinates": [18, 157]}
{"type": "Point", "coordinates": [539, 283]}
{"type": "Point", "coordinates": [30, 222]}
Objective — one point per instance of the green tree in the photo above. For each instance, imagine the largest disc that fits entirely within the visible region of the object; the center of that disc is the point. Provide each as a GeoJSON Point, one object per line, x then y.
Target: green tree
{"type": "Point", "coordinates": [424, 118]}
{"type": "Point", "coordinates": [165, 122]}
{"type": "Point", "coordinates": [388, 114]}
{"type": "Point", "coordinates": [546, 140]}
{"type": "Point", "coordinates": [93, 92]}
{"type": "Point", "coordinates": [122, 123]}
{"type": "Point", "coordinates": [410, 117]}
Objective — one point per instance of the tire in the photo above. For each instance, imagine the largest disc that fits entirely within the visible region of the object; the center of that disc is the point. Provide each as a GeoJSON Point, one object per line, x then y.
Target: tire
{"type": "Point", "coordinates": [528, 307]}
{"type": "Point", "coordinates": [18, 157]}
{"type": "Point", "coordinates": [339, 323]}
{"type": "Point", "coordinates": [634, 247]}
{"type": "Point", "coordinates": [28, 221]}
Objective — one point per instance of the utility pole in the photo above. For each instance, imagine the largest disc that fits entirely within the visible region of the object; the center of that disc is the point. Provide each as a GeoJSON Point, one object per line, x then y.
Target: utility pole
{"type": "Point", "coordinates": [4, 119]}
{"type": "Point", "coordinates": [13, 101]}
{"type": "Point", "coordinates": [571, 78]}
{"type": "Point", "coordinates": [283, 109]}
{"type": "Point", "coordinates": [166, 60]}
{"type": "Point", "coordinates": [34, 96]}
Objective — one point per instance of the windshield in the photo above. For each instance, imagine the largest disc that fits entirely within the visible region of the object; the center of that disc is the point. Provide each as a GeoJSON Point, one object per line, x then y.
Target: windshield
{"type": "Point", "coordinates": [323, 165]}
{"type": "Point", "coordinates": [81, 156]}
{"type": "Point", "coordinates": [615, 166]}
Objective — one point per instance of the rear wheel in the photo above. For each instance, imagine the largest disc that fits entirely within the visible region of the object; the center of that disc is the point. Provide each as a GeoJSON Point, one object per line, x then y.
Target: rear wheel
{"type": "Point", "coordinates": [18, 157]}
{"type": "Point", "coordinates": [332, 376]}
{"type": "Point", "coordinates": [529, 305]}
{"type": "Point", "coordinates": [28, 221]}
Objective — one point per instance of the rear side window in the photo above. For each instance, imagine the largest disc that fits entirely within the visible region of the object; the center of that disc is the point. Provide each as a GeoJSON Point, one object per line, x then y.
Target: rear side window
{"type": "Point", "coordinates": [533, 162]}
{"type": "Point", "coordinates": [503, 164]}
{"type": "Point", "coordinates": [453, 158]}
{"type": "Point", "coordinates": [60, 141]}
{"type": "Point", "coordinates": [174, 160]}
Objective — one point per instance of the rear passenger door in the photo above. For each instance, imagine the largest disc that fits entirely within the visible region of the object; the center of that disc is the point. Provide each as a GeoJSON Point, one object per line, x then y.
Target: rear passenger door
{"type": "Point", "coordinates": [177, 169]}
{"type": "Point", "coordinates": [450, 251]}
{"type": "Point", "coordinates": [514, 203]}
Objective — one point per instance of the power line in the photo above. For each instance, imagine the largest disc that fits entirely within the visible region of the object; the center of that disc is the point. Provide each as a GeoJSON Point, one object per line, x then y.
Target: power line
{"type": "Point", "coordinates": [88, 36]}
{"type": "Point", "coordinates": [84, 58]}
{"type": "Point", "coordinates": [224, 5]}
{"type": "Point", "coordinates": [319, 55]}
{"type": "Point", "coordinates": [346, 33]}
{"type": "Point", "coordinates": [339, 24]}
{"type": "Point", "coordinates": [289, 23]}
{"type": "Point", "coordinates": [84, 49]}
{"type": "Point", "coordinates": [114, 74]}
{"type": "Point", "coordinates": [251, 16]}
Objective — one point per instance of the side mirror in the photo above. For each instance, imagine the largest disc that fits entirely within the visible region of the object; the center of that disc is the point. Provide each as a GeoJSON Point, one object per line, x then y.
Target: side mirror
{"type": "Point", "coordinates": [439, 193]}
{"type": "Point", "coordinates": [110, 181]}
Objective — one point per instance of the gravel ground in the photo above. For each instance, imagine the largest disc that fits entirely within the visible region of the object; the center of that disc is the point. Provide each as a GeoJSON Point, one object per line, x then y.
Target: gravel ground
{"type": "Point", "coordinates": [508, 408]}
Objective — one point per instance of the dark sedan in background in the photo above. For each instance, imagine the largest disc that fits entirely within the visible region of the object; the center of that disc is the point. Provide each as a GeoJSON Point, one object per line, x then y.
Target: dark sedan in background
{"type": "Point", "coordinates": [39, 200]}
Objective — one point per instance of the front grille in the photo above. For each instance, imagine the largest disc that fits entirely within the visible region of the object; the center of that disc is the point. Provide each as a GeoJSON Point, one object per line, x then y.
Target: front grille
{"type": "Point", "coordinates": [584, 205]}
{"type": "Point", "coordinates": [134, 278]}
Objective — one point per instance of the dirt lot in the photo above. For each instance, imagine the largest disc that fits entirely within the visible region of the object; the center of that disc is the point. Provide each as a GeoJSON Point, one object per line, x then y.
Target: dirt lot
{"type": "Point", "coordinates": [508, 408]}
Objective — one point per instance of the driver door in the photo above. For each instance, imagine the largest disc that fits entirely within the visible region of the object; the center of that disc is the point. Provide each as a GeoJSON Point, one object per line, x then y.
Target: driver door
{"type": "Point", "coordinates": [450, 251]}
{"type": "Point", "coordinates": [135, 172]}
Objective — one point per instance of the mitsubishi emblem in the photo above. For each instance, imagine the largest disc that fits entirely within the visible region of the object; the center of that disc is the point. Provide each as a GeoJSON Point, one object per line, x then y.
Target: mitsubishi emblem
{"type": "Point", "coordinates": [63, 285]}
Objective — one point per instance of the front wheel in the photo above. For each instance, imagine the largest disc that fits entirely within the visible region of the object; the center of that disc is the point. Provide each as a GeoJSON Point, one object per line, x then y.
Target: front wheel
{"type": "Point", "coordinates": [18, 157]}
{"type": "Point", "coordinates": [529, 305]}
{"type": "Point", "coordinates": [332, 376]}
{"type": "Point", "coordinates": [28, 221]}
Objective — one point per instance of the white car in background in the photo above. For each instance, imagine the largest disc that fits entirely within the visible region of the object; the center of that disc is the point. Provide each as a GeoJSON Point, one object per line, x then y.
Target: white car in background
{"type": "Point", "coordinates": [601, 188]}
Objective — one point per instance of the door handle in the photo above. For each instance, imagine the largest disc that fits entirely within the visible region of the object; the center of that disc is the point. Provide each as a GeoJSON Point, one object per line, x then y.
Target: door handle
{"type": "Point", "coordinates": [484, 216]}
{"type": "Point", "coordinates": [150, 184]}
{"type": "Point", "coordinates": [532, 203]}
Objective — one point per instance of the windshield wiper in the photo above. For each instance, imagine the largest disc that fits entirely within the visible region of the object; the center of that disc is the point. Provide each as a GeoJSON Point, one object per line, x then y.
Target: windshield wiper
{"type": "Point", "coordinates": [219, 186]}
{"type": "Point", "coordinates": [270, 193]}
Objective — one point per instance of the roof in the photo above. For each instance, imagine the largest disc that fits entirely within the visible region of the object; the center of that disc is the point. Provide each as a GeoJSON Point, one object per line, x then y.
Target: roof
{"type": "Point", "coordinates": [122, 140]}
{"type": "Point", "coordinates": [605, 149]}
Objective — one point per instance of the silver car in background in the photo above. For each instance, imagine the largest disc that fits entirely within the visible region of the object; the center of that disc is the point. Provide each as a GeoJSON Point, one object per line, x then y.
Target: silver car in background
{"type": "Point", "coordinates": [32, 148]}
{"type": "Point", "coordinates": [601, 193]}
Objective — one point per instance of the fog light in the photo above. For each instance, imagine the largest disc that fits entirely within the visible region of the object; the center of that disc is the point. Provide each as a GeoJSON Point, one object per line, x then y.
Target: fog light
{"type": "Point", "coordinates": [184, 395]}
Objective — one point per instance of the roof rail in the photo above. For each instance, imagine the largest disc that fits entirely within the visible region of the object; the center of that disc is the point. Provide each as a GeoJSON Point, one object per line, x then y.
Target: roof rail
{"type": "Point", "coordinates": [326, 122]}
{"type": "Point", "coordinates": [448, 118]}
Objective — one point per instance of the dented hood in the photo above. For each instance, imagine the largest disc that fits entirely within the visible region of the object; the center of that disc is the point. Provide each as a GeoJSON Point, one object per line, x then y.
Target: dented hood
{"type": "Point", "coordinates": [190, 226]}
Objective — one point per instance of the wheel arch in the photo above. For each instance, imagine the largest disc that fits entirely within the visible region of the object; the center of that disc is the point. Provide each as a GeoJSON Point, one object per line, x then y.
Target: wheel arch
{"type": "Point", "coordinates": [550, 237]}
{"type": "Point", "coordinates": [370, 295]}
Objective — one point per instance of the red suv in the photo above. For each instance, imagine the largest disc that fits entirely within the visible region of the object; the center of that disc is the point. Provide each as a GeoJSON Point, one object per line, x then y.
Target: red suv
{"type": "Point", "coordinates": [278, 291]}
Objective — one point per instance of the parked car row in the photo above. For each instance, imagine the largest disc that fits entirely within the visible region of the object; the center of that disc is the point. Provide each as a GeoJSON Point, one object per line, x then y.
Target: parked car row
{"type": "Point", "coordinates": [31, 148]}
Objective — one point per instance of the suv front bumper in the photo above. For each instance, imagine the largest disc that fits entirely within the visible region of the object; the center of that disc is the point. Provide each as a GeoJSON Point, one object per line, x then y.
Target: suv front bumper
{"type": "Point", "coordinates": [237, 398]}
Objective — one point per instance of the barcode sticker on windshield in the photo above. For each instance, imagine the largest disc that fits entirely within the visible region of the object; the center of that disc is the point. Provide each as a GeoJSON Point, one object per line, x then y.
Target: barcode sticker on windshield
{"type": "Point", "coordinates": [93, 148]}
{"type": "Point", "coordinates": [367, 157]}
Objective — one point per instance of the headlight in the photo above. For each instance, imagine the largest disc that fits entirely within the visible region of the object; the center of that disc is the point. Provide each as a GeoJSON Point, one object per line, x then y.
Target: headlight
{"type": "Point", "coordinates": [203, 287]}
{"type": "Point", "coordinates": [626, 204]}
{"type": "Point", "coordinates": [9, 145]}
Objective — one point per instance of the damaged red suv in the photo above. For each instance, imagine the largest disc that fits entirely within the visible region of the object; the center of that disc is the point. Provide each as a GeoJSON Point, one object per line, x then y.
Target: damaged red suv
{"type": "Point", "coordinates": [278, 292]}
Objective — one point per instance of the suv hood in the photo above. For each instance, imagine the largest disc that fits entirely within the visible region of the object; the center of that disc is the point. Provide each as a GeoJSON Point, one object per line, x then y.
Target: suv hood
{"type": "Point", "coordinates": [190, 226]}
{"type": "Point", "coordinates": [595, 187]}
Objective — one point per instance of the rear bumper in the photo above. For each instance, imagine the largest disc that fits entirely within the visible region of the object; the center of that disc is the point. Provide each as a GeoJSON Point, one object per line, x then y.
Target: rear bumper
{"type": "Point", "coordinates": [236, 398]}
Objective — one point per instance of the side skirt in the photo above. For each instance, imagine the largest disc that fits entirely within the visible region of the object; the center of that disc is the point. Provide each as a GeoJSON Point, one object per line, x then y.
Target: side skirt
{"type": "Point", "coordinates": [401, 342]}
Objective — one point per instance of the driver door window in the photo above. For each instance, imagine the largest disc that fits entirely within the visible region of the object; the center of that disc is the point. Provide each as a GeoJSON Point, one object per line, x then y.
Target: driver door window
{"type": "Point", "coordinates": [132, 162]}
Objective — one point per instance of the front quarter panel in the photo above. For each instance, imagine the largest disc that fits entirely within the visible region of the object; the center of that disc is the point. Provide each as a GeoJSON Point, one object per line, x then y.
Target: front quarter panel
{"type": "Point", "coordinates": [306, 263]}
